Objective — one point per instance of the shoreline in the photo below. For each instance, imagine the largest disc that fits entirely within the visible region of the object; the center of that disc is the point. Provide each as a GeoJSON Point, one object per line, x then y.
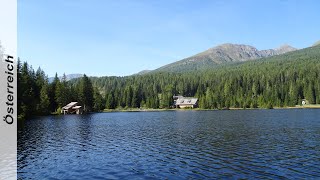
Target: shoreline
{"type": "Point", "coordinates": [199, 109]}
{"type": "Point", "coordinates": [316, 106]}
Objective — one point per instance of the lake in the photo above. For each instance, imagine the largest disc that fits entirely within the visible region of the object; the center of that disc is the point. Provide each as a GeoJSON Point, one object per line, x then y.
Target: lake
{"type": "Point", "coordinates": [255, 144]}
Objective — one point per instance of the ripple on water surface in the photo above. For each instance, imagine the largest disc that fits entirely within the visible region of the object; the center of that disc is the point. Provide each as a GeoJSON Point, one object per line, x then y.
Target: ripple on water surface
{"type": "Point", "coordinates": [174, 145]}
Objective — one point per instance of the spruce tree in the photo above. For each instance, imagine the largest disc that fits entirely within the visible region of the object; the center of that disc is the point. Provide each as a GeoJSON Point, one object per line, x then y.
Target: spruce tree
{"type": "Point", "coordinates": [86, 94]}
{"type": "Point", "coordinates": [44, 105]}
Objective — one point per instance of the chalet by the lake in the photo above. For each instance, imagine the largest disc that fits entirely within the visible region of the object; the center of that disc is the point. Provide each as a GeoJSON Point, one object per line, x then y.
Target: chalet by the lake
{"type": "Point", "coordinates": [72, 108]}
{"type": "Point", "coordinates": [185, 102]}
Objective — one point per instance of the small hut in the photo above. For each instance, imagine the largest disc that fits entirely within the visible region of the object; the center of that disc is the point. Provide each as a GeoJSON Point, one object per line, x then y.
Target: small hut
{"type": "Point", "coordinates": [72, 108]}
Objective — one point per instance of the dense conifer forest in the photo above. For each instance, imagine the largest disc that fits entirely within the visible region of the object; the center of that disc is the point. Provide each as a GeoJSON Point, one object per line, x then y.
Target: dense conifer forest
{"type": "Point", "coordinates": [36, 96]}
{"type": "Point", "coordinates": [278, 81]}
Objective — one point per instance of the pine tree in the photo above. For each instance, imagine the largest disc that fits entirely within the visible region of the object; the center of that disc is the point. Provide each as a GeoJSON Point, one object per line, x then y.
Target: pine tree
{"type": "Point", "coordinates": [310, 93]}
{"type": "Point", "coordinates": [135, 98]}
{"type": "Point", "coordinates": [44, 100]}
{"type": "Point", "coordinates": [59, 94]}
{"type": "Point", "coordinates": [27, 99]}
{"type": "Point", "coordinates": [110, 101]}
{"type": "Point", "coordinates": [52, 93]}
{"type": "Point", "coordinates": [98, 103]}
{"type": "Point", "coordinates": [128, 96]}
{"type": "Point", "coordinates": [86, 94]}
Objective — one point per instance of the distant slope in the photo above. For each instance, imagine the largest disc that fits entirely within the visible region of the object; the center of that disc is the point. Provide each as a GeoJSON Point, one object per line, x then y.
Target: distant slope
{"type": "Point", "coordinates": [310, 55]}
{"type": "Point", "coordinates": [221, 54]}
{"type": "Point", "coordinates": [276, 81]}
{"type": "Point", "coordinates": [69, 77]}
{"type": "Point", "coordinates": [316, 43]}
{"type": "Point", "coordinates": [142, 72]}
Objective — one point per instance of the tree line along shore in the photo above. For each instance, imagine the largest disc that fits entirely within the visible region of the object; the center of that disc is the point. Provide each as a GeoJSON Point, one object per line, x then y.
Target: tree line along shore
{"type": "Point", "coordinates": [280, 81]}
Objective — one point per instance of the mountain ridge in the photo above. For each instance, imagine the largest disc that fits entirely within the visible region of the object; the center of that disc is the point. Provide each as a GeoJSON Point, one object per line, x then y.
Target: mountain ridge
{"type": "Point", "coordinates": [224, 53]}
{"type": "Point", "coordinates": [68, 77]}
{"type": "Point", "coordinates": [316, 43]}
{"type": "Point", "coordinates": [143, 72]}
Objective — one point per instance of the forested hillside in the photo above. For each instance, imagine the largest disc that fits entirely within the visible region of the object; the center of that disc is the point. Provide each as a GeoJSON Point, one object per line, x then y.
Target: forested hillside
{"type": "Point", "coordinates": [282, 80]}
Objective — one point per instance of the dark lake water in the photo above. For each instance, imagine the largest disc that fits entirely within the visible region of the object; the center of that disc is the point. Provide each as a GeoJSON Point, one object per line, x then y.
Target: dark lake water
{"type": "Point", "coordinates": [254, 144]}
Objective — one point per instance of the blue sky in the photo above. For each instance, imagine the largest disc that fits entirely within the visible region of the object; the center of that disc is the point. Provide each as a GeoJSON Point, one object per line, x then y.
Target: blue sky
{"type": "Point", "coordinates": [122, 37]}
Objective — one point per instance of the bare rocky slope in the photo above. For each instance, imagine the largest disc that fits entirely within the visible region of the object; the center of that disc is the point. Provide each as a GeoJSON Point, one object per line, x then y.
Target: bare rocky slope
{"type": "Point", "coordinates": [224, 53]}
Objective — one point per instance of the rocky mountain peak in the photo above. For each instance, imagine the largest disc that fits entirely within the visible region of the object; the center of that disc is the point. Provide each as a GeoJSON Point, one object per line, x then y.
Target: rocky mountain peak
{"type": "Point", "coordinates": [285, 48]}
{"type": "Point", "coordinates": [225, 53]}
{"type": "Point", "coordinates": [235, 47]}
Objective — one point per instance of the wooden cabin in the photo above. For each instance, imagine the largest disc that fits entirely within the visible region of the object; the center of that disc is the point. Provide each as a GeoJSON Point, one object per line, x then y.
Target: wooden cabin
{"type": "Point", "coordinates": [72, 108]}
{"type": "Point", "coordinates": [185, 102]}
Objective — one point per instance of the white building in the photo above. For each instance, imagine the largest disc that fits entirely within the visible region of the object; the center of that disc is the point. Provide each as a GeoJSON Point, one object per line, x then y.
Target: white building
{"type": "Point", "coordinates": [185, 102]}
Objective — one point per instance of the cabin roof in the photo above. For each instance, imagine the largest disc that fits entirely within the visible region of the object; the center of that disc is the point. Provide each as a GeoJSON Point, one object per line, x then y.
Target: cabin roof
{"type": "Point", "coordinates": [70, 105]}
{"type": "Point", "coordinates": [186, 101]}
{"type": "Point", "coordinates": [76, 107]}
